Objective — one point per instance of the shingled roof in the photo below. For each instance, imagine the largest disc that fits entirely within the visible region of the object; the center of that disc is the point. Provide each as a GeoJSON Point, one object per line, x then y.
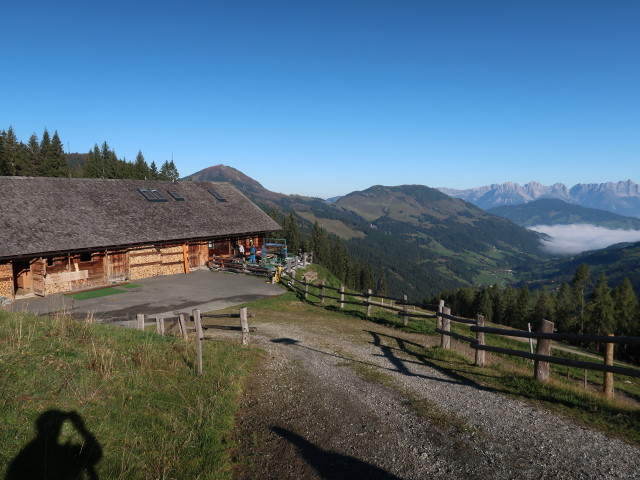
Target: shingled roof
{"type": "Point", "coordinates": [48, 215]}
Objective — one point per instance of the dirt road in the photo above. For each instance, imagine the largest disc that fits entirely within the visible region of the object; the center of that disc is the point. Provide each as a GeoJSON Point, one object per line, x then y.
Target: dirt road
{"type": "Point", "coordinates": [347, 399]}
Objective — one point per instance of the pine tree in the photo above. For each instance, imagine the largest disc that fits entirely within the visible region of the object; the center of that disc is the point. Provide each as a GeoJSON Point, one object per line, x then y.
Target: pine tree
{"type": "Point", "coordinates": [45, 147]}
{"type": "Point", "coordinates": [291, 233]}
{"type": "Point", "coordinates": [626, 309]}
{"type": "Point", "coordinates": [581, 280]}
{"type": "Point", "coordinates": [10, 154]}
{"type": "Point", "coordinates": [172, 172]}
{"type": "Point", "coordinates": [543, 307]}
{"type": "Point", "coordinates": [34, 159]}
{"type": "Point", "coordinates": [381, 287]}
{"type": "Point", "coordinates": [140, 167]}
{"type": "Point", "coordinates": [153, 171]}
{"type": "Point", "coordinates": [565, 308]}
{"type": "Point", "coordinates": [56, 165]}
{"type": "Point", "coordinates": [600, 308]}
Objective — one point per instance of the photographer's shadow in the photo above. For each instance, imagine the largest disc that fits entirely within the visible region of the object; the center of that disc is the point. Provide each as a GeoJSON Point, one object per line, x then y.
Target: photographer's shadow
{"type": "Point", "coordinates": [46, 458]}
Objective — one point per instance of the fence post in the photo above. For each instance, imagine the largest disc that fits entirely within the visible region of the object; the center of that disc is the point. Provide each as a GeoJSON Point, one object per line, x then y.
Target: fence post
{"type": "Point", "coordinates": [368, 303]}
{"type": "Point", "coordinates": [445, 340]}
{"type": "Point", "coordinates": [480, 354]}
{"type": "Point", "coordinates": [289, 268]}
{"type": "Point", "coordinates": [405, 307]}
{"type": "Point", "coordinates": [438, 317]}
{"type": "Point", "coordinates": [306, 288]}
{"type": "Point", "coordinates": [244, 323]}
{"type": "Point", "coordinates": [182, 321]}
{"type": "Point", "coordinates": [607, 384]}
{"type": "Point", "coordinates": [544, 348]}
{"type": "Point", "coordinates": [160, 326]}
{"type": "Point", "coordinates": [341, 296]}
{"type": "Point", "coordinates": [140, 319]}
{"type": "Point", "coordinates": [322, 292]}
{"type": "Point", "coordinates": [196, 318]}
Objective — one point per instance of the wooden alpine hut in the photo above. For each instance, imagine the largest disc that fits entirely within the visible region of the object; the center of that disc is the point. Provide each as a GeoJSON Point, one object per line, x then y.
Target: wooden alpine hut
{"type": "Point", "coordinates": [65, 234]}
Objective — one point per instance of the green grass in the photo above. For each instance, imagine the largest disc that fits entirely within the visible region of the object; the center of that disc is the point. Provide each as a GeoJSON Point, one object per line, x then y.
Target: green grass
{"type": "Point", "coordinates": [130, 285]}
{"type": "Point", "coordinates": [101, 292]}
{"type": "Point", "coordinates": [138, 393]}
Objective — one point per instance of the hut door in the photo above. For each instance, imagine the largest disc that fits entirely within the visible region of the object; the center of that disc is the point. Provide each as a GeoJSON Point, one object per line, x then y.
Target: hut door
{"type": "Point", "coordinates": [38, 272]}
{"type": "Point", "coordinates": [117, 267]}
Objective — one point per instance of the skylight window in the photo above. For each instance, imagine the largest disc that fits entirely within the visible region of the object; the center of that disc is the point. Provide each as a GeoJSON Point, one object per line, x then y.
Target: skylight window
{"type": "Point", "coordinates": [218, 197]}
{"type": "Point", "coordinates": [153, 195]}
{"type": "Point", "coordinates": [176, 196]}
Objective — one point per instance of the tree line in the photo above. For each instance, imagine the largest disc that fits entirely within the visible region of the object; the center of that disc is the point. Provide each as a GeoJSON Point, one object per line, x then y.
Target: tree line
{"type": "Point", "coordinates": [45, 157]}
{"type": "Point", "coordinates": [329, 251]}
{"type": "Point", "coordinates": [580, 306]}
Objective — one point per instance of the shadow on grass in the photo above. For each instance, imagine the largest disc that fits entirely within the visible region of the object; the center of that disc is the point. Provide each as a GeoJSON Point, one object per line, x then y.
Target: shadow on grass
{"type": "Point", "coordinates": [46, 458]}
{"type": "Point", "coordinates": [333, 465]}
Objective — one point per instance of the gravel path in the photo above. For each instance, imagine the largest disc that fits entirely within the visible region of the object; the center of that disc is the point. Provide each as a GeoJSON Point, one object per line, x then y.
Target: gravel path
{"type": "Point", "coordinates": [308, 414]}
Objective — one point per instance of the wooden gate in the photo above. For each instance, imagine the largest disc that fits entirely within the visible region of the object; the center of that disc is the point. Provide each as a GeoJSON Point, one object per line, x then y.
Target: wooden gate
{"type": "Point", "coordinates": [38, 272]}
{"type": "Point", "coordinates": [117, 268]}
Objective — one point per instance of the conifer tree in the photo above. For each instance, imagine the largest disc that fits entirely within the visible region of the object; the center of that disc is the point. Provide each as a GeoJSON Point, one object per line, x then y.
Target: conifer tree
{"type": "Point", "coordinates": [10, 154]}
{"type": "Point", "coordinates": [140, 167]}
{"type": "Point", "coordinates": [381, 287]}
{"type": "Point", "coordinates": [56, 165]}
{"type": "Point", "coordinates": [45, 146]}
{"type": "Point", "coordinates": [153, 171]}
{"type": "Point", "coordinates": [565, 308]}
{"type": "Point", "coordinates": [600, 308]}
{"type": "Point", "coordinates": [581, 280]}
{"type": "Point", "coordinates": [34, 159]}
{"type": "Point", "coordinates": [625, 307]}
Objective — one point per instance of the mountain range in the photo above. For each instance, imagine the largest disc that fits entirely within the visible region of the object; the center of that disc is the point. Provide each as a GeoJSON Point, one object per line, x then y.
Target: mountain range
{"type": "Point", "coordinates": [552, 211]}
{"type": "Point", "coordinates": [622, 197]}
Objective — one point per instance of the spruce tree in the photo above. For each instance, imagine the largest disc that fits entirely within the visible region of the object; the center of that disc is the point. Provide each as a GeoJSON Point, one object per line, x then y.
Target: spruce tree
{"type": "Point", "coordinates": [140, 167]}
{"type": "Point", "coordinates": [56, 160]}
{"type": "Point", "coordinates": [34, 160]}
{"type": "Point", "coordinates": [153, 171]}
{"type": "Point", "coordinates": [625, 307]}
{"type": "Point", "coordinates": [581, 280]}
{"type": "Point", "coordinates": [10, 154]}
{"type": "Point", "coordinates": [45, 147]}
{"type": "Point", "coordinates": [600, 308]}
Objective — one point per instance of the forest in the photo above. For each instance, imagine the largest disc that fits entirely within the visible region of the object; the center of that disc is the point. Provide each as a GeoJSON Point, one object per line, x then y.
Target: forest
{"type": "Point", "coordinates": [45, 157]}
{"type": "Point", "coordinates": [581, 306]}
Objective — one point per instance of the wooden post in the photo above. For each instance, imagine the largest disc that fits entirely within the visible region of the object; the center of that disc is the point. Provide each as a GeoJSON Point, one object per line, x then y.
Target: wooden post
{"type": "Point", "coordinates": [196, 318]}
{"type": "Point", "coordinates": [544, 348]}
{"type": "Point", "coordinates": [306, 289]}
{"type": "Point", "coordinates": [369, 303]}
{"type": "Point", "coordinates": [244, 323]}
{"type": "Point", "coordinates": [445, 340]}
{"type": "Point", "coordinates": [341, 296]}
{"type": "Point", "coordinates": [160, 326]}
{"type": "Point", "coordinates": [322, 292]}
{"type": "Point", "coordinates": [530, 339]}
{"type": "Point", "coordinates": [607, 384]}
{"type": "Point", "coordinates": [438, 317]}
{"type": "Point", "coordinates": [182, 322]}
{"type": "Point", "coordinates": [140, 318]}
{"type": "Point", "coordinates": [289, 269]}
{"type": "Point", "coordinates": [480, 357]}
{"type": "Point", "coordinates": [405, 307]}
{"type": "Point", "coordinates": [585, 381]}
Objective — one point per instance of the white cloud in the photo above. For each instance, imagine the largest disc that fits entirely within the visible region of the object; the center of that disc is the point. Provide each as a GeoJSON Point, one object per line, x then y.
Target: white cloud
{"type": "Point", "coordinates": [571, 239]}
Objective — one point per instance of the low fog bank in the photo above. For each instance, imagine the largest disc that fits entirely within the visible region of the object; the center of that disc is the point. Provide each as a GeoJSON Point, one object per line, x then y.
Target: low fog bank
{"type": "Point", "coordinates": [572, 239]}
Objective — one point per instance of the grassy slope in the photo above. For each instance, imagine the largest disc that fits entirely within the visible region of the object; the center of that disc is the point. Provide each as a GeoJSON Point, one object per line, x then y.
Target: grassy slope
{"type": "Point", "coordinates": [136, 392]}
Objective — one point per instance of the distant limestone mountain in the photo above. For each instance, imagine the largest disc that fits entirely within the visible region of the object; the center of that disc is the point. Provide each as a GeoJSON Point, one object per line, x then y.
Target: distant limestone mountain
{"type": "Point", "coordinates": [622, 198]}
{"type": "Point", "coordinates": [551, 211]}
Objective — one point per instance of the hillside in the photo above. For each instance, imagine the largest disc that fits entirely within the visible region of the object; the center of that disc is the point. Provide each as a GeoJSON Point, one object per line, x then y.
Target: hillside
{"type": "Point", "coordinates": [617, 262]}
{"type": "Point", "coordinates": [549, 211]}
{"type": "Point", "coordinates": [425, 240]}
{"type": "Point", "coordinates": [622, 198]}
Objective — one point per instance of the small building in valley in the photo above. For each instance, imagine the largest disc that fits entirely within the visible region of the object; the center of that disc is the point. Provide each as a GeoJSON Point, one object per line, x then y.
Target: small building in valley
{"type": "Point", "coordinates": [65, 234]}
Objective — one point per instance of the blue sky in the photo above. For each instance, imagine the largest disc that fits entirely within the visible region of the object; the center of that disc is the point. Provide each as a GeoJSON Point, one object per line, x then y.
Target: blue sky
{"type": "Point", "coordinates": [326, 97]}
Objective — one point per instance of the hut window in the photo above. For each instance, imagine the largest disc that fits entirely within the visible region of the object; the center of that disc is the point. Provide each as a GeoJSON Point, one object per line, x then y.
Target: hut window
{"type": "Point", "coordinates": [153, 195]}
{"type": "Point", "coordinates": [50, 262]}
{"type": "Point", "coordinates": [218, 197]}
{"type": "Point", "coordinates": [176, 196]}
{"type": "Point", "coordinates": [85, 256]}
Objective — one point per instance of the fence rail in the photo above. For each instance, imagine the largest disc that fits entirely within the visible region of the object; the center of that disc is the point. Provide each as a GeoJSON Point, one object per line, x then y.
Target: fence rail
{"type": "Point", "coordinates": [542, 358]}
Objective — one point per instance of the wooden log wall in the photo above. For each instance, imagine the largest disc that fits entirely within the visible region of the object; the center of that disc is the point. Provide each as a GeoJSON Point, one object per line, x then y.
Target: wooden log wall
{"type": "Point", "coordinates": [144, 263]}
{"type": "Point", "coordinates": [6, 280]}
{"type": "Point", "coordinates": [172, 259]}
{"type": "Point", "coordinates": [74, 272]}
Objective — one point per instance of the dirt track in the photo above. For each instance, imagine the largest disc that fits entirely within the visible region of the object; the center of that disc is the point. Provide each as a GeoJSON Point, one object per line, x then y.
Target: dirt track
{"type": "Point", "coordinates": [340, 400]}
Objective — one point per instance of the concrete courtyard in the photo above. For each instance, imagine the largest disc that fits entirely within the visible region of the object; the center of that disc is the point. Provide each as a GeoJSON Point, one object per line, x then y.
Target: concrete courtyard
{"type": "Point", "coordinates": [165, 296]}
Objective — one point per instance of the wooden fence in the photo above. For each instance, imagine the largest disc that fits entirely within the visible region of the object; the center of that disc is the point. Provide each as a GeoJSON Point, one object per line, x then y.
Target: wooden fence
{"type": "Point", "coordinates": [183, 324]}
{"type": "Point", "coordinates": [542, 357]}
